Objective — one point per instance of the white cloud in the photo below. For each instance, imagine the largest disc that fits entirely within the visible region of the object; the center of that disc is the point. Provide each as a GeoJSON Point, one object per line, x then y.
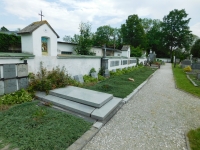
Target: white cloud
{"type": "Point", "coordinates": [196, 29]}
{"type": "Point", "coordinates": [65, 15]}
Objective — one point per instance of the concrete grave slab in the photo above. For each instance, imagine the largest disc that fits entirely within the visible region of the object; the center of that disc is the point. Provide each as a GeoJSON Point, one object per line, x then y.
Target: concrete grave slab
{"type": "Point", "coordinates": [1, 87]}
{"type": "Point", "coordinates": [9, 71]}
{"type": "Point", "coordinates": [23, 83]}
{"type": "Point", "coordinates": [22, 70]}
{"type": "Point", "coordinates": [105, 110]}
{"type": "Point", "coordinates": [10, 86]}
{"type": "Point", "coordinates": [69, 105]}
{"type": "Point", "coordinates": [83, 96]}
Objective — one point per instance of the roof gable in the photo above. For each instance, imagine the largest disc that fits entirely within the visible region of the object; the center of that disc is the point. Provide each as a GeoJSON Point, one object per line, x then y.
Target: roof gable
{"type": "Point", "coordinates": [33, 26]}
{"type": "Point", "coordinates": [125, 47]}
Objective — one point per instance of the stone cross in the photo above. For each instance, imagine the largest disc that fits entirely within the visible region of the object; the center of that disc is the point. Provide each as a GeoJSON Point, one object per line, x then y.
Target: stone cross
{"type": "Point", "coordinates": [41, 15]}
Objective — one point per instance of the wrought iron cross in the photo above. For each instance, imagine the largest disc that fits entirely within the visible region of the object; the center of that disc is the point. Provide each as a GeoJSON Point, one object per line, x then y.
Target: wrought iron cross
{"type": "Point", "coordinates": [41, 15]}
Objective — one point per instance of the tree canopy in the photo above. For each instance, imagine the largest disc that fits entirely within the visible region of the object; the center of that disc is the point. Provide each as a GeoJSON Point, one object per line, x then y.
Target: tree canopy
{"type": "Point", "coordinates": [196, 49]}
{"type": "Point", "coordinates": [176, 31]}
{"type": "Point", "coordinates": [4, 29]}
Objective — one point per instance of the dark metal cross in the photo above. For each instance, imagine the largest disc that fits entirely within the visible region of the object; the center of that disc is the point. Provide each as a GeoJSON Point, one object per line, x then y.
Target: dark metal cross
{"type": "Point", "coordinates": [41, 15]}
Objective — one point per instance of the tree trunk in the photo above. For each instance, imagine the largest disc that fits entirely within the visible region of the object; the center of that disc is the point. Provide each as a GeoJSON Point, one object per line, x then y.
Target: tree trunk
{"type": "Point", "coordinates": [171, 54]}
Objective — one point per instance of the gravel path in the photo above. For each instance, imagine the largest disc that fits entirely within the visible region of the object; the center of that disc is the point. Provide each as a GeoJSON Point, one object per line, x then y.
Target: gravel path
{"type": "Point", "coordinates": [156, 118]}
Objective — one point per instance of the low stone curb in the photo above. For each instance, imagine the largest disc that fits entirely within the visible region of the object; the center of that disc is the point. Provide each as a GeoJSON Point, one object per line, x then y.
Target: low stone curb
{"type": "Point", "coordinates": [84, 139]}
{"type": "Point", "coordinates": [187, 141]}
{"type": "Point", "coordinates": [191, 81]}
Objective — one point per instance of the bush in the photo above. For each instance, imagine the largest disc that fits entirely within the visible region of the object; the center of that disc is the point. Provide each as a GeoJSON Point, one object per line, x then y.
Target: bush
{"type": "Point", "coordinates": [187, 69]}
{"type": "Point", "coordinates": [88, 79]}
{"type": "Point", "coordinates": [92, 70]}
{"type": "Point", "coordinates": [17, 97]}
{"type": "Point", "coordinates": [48, 80]}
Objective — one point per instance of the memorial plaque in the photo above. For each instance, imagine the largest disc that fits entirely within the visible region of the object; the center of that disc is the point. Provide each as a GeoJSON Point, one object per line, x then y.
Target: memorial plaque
{"type": "Point", "coordinates": [79, 78]}
{"type": "Point", "coordinates": [9, 71]}
{"type": "Point", "coordinates": [23, 83]}
{"type": "Point", "coordinates": [22, 70]}
{"type": "Point", "coordinates": [10, 86]}
{"type": "Point", "coordinates": [94, 75]}
{"type": "Point", "coordinates": [1, 87]}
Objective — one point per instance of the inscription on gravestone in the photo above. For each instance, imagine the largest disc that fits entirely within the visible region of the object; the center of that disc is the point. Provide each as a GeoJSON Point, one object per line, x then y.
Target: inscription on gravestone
{"type": "Point", "coordinates": [79, 78]}
{"type": "Point", "coordinates": [1, 87]}
{"type": "Point", "coordinates": [23, 83]}
{"type": "Point", "coordinates": [10, 86]}
{"type": "Point", "coordinates": [9, 71]}
{"type": "Point", "coordinates": [22, 70]}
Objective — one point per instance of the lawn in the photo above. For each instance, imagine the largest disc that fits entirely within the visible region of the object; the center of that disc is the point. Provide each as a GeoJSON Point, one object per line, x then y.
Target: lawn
{"type": "Point", "coordinates": [119, 85]}
{"type": "Point", "coordinates": [29, 127]}
{"type": "Point", "coordinates": [183, 83]}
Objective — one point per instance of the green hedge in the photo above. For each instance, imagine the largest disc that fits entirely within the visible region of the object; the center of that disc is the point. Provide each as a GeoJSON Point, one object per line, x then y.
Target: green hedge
{"type": "Point", "coordinates": [7, 41]}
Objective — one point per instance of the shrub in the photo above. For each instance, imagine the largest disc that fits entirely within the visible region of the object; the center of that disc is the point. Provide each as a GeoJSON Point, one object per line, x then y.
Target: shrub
{"type": "Point", "coordinates": [92, 70]}
{"type": "Point", "coordinates": [48, 80]}
{"type": "Point", "coordinates": [187, 69]}
{"type": "Point", "coordinates": [17, 97]}
{"type": "Point", "coordinates": [88, 78]}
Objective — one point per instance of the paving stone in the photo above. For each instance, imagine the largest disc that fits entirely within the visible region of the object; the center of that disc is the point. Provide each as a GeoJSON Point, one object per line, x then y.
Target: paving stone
{"type": "Point", "coordinates": [105, 110]}
{"type": "Point", "coordinates": [69, 105]}
{"type": "Point", "coordinates": [84, 96]}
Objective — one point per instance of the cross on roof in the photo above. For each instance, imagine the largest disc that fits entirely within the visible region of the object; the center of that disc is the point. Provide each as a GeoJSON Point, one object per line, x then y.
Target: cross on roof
{"type": "Point", "coordinates": [41, 15]}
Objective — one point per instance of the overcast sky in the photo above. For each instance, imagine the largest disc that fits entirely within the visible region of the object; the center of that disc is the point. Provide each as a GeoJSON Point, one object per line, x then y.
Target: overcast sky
{"type": "Point", "coordinates": [65, 15]}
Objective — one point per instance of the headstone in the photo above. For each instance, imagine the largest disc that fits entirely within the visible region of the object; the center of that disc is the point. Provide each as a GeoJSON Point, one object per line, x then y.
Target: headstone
{"type": "Point", "coordinates": [185, 63]}
{"type": "Point", "coordinates": [114, 70]}
{"type": "Point", "coordinates": [22, 70]}
{"type": "Point", "coordinates": [9, 71]}
{"type": "Point", "coordinates": [196, 65]}
{"type": "Point", "coordinates": [23, 83]}
{"type": "Point", "coordinates": [1, 87]}
{"type": "Point", "coordinates": [79, 78]}
{"type": "Point", "coordinates": [10, 86]}
{"type": "Point", "coordinates": [106, 73]}
{"type": "Point", "coordinates": [94, 75]}
{"type": "Point", "coordinates": [198, 76]}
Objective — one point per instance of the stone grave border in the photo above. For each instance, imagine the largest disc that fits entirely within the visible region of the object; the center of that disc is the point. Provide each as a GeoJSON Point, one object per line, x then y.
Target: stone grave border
{"type": "Point", "coordinates": [16, 77]}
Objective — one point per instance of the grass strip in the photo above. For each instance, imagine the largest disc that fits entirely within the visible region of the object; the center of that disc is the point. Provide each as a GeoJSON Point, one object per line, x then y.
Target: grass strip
{"type": "Point", "coordinates": [194, 139]}
{"type": "Point", "coordinates": [29, 127]}
{"type": "Point", "coordinates": [120, 86]}
{"type": "Point", "coordinates": [184, 83]}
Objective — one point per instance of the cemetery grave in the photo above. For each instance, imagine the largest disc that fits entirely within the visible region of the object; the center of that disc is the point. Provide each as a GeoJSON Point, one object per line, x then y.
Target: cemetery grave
{"type": "Point", "coordinates": [88, 103]}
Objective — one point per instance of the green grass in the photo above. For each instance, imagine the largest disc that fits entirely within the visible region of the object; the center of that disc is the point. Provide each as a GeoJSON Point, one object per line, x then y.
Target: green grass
{"type": "Point", "coordinates": [194, 139]}
{"type": "Point", "coordinates": [184, 83]}
{"type": "Point", "coordinates": [120, 86]}
{"type": "Point", "coordinates": [29, 127]}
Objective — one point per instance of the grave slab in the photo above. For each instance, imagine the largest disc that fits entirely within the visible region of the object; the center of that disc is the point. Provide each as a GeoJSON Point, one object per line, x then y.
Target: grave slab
{"type": "Point", "coordinates": [67, 104]}
{"type": "Point", "coordinates": [9, 71]}
{"type": "Point", "coordinates": [23, 83]}
{"type": "Point", "coordinates": [10, 86]}
{"type": "Point", "coordinates": [22, 70]}
{"type": "Point", "coordinates": [105, 110]}
{"type": "Point", "coordinates": [83, 96]}
{"type": "Point", "coordinates": [1, 87]}
{"type": "Point", "coordinates": [94, 75]}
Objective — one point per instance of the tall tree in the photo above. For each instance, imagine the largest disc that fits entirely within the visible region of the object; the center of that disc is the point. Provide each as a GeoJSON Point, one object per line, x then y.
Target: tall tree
{"type": "Point", "coordinates": [195, 51]}
{"type": "Point", "coordinates": [83, 40]}
{"type": "Point", "coordinates": [4, 29]}
{"type": "Point", "coordinates": [176, 31]}
{"type": "Point", "coordinates": [133, 32]}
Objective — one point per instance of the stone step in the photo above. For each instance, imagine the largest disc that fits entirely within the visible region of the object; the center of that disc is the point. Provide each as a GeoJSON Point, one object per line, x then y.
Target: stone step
{"type": "Point", "coordinates": [83, 96]}
{"type": "Point", "coordinates": [105, 110]}
{"type": "Point", "coordinates": [66, 104]}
